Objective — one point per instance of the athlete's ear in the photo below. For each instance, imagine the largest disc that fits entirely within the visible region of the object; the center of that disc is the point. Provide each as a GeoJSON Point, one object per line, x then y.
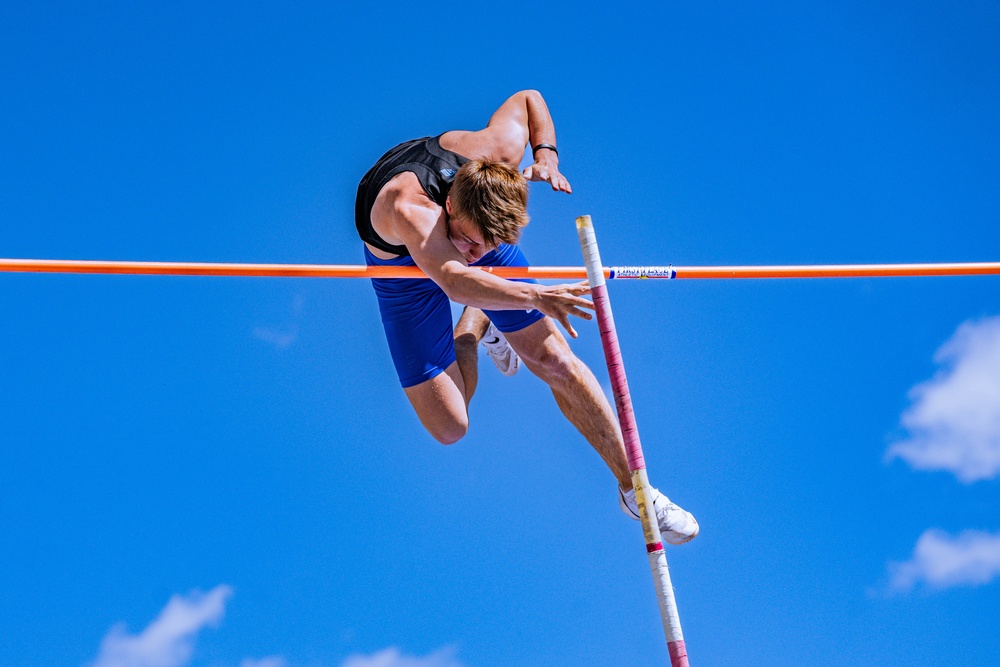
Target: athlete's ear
{"type": "Point", "coordinates": [447, 204]}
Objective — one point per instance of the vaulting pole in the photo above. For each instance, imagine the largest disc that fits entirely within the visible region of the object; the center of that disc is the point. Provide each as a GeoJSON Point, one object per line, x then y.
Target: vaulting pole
{"type": "Point", "coordinates": [633, 449]}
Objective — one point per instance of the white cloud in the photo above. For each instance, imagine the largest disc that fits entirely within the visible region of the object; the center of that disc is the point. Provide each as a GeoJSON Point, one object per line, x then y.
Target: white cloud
{"type": "Point", "coordinates": [169, 640]}
{"type": "Point", "coordinates": [941, 561]}
{"type": "Point", "coordinates": [270, 661]}
{"type": "Point", "coordinates": [283, 336]}
{"type": "Point", "coordinates": [391, 657]}
{"type": "Point", "coordinates": [954, 419]}
{"type": "Point", "coordinates": [280, 339]}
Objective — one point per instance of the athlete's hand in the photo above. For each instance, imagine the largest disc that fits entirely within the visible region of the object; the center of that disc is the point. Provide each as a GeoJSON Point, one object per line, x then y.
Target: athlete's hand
{"type": "Point", "coordinates": [561, 301]}
{"type": "Point", "coordinates": [547, 170]}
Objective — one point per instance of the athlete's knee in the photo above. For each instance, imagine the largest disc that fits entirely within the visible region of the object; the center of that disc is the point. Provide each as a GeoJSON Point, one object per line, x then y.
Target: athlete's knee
{"type": "Point", "coordinates": [466, 346]}
{"type": "Point", "coordinates": [556, 364]}
{"type": "Point", "coordinates": [449, 432]}
{"type": "Point", "coordinates": [441, 406]}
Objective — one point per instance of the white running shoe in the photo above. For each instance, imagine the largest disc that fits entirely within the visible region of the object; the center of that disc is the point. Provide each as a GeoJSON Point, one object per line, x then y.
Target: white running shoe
{"type": "Point", "coordinates": [500, 351]}
{"type": "Point", "coordinates": [677, 525]}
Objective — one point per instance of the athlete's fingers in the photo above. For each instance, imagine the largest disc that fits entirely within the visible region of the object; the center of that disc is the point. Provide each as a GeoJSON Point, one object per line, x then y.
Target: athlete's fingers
{"type": "Point", "coordinates": [577, 289]}
{"type": "Point", "coordinates": [570, 301]}
{"type": "Point", "coordinates": [582, 314]}
{"type": "Point", "coordinates": [564, 320]}
{"type": "Point", "coordinates": [579, 302]}
{"type": "Point", "coordinates": [528, 173]}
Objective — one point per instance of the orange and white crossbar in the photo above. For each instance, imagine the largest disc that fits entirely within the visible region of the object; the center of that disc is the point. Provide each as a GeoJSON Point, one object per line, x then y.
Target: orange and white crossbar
{"type": "Point", "coordinates": [633, 448]}
{"type": "Point", "coordinates": [538, 272]}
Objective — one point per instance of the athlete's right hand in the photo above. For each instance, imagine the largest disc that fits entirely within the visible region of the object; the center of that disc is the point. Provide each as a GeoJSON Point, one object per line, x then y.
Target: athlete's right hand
{"type": "Point", "coordinates": [561, 301]}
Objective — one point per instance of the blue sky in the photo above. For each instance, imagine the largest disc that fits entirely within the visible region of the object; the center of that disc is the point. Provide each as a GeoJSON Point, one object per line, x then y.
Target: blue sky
{"type": "Point", "coordinates": [228, 468]}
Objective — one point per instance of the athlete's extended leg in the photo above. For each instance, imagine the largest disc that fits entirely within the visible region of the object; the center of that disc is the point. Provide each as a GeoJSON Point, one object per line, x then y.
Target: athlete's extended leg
{"type": "Point", "coordinates": [545, 352]}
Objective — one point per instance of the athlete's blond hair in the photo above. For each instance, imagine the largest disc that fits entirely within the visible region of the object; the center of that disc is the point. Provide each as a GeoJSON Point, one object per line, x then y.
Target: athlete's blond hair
{"type": "Point", "coordinates": [494, 196]}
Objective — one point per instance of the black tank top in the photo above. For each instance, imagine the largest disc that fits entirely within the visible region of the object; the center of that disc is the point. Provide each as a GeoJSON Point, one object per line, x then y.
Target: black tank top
{"type": "Point", "coordinates": [434, 167]}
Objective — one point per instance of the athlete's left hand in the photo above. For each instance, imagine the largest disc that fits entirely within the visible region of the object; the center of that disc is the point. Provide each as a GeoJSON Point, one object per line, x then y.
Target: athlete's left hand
{"type": "Point", "coordinates": [548, 171]}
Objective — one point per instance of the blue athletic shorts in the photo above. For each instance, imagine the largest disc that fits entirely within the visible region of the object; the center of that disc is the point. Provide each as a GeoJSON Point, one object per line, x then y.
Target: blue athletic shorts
{"type": "Point", "coordinates": [416, 315]}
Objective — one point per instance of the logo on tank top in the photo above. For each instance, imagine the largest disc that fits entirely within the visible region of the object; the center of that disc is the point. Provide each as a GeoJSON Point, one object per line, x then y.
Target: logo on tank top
{"type": "Point", "coordinates": [448, 173]}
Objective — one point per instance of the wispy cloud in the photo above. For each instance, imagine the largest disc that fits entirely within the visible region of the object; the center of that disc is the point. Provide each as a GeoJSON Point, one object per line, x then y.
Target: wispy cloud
{"type": "Point", "coordinates": [279, 338]}
{"type": "Point", "coordinates": [169, 640]}
{"type": "Point", "coordinates": [391, 657]}
{"type": "Point", "coordinates": [284, 335]}
{"type": "Point", "coordinates": [941, 561]}
{"type": "Point", "coordinates": [270, 661]}
{"type": "Point", "coordinates": [954, 418]}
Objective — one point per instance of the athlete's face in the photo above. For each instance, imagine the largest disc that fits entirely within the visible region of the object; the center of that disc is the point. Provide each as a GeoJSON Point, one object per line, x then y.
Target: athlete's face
{"type": "Point", "coordinates": [466, 237]}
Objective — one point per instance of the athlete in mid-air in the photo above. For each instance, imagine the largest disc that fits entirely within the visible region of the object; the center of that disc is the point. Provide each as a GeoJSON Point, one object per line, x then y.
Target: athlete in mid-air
{"type": "Point", "coordinates": [457, 200]}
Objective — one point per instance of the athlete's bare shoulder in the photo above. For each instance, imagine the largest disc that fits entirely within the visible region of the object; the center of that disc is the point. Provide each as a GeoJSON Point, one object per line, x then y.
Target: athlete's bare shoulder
{"type": "Point", "coordinates": [402, 201]}
{"type": "Point", "coordinates": [486, 144]}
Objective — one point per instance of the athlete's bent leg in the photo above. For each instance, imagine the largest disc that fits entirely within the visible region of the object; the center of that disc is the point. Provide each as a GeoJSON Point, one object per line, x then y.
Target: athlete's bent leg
{"type": "Point", "coordinates": [442, 402]}
{"type": "Point", "coordinates": [469, 330]}
{"type": "Point", "coordinates": [441, 405]}
{"type": "Point", "coordinates": [436, 365]}
{"type": "Point", "coordinates": [545, 352]}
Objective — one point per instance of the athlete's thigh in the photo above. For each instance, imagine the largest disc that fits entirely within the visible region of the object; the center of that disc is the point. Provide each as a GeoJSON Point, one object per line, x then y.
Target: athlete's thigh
{"type": "Point", "coordinates": [509, 320]}
{"type": "Point", "coordinates": [538, 343]}
{"type": "Point", "coordinates": [416, 317]}
{"type": "Point", "coordinates": [440, 404]}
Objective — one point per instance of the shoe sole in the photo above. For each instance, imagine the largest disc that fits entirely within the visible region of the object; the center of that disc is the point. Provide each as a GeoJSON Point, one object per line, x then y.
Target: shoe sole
{"type": "Point", "coordinates": [685, 540]}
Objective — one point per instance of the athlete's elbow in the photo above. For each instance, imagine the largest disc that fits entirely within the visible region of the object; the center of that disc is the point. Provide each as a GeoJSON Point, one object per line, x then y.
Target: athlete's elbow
{"type": "Point", "coordinates": [454, 281]}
